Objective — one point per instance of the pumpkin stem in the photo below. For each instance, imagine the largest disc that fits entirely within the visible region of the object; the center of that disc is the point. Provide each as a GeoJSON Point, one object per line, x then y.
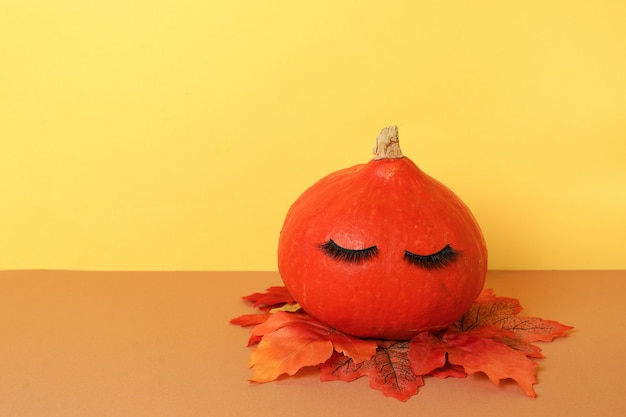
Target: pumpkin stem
{"type": "Point", "coordinates": [387, 145]}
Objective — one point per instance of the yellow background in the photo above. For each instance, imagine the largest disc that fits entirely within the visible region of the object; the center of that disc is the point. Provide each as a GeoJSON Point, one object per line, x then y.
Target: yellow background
{"type": "Point", "coordinates": [175, 134]}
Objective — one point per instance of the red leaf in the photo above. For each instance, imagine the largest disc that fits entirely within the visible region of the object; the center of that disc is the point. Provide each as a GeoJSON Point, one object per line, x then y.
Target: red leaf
{"type": "Point", "coordinates": [250, 319]}
{"type": "Point", "coordinates": [485, 295]}
{"type": "Point", "coordinates": [475, 353]}
{"type": "Point", "coordinates": [449, 371]}
{"type": "Point", "coordinates": [254, 340]}
{"type": "Point", "coordinates": [426, 354]}
{"type": "Point", "coordinates": [388, 370]}
{"type": "Point", "coordinates": [271, 297]}
{"type": "Point", "coordinates": [497, 360]}
{"type": "Point", "coordinates": [247, 320]}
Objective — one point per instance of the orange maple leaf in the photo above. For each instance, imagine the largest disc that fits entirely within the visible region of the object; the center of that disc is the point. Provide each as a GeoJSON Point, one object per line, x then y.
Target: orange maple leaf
{"type": "Point", "coordinates": [475, 352]}
{"type": "Point", "coordinates": [246, 320]}
{"type": "Point", "coordinates": [291, 341]}
{"type": "Point", "coordinates": [489, 338]}
{"type": "Point", "coordinates": [271, 297]}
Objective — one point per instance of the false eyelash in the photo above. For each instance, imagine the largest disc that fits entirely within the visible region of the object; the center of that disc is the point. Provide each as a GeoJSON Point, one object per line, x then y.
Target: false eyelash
{"type": "Point", "coordinates": [348, 255]}
{"type": "Point", "coordinates": [438, 260]}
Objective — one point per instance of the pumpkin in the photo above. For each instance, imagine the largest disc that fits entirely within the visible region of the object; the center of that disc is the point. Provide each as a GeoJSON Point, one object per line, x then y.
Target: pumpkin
{"type": "Point", "coordinates": [382, 250]}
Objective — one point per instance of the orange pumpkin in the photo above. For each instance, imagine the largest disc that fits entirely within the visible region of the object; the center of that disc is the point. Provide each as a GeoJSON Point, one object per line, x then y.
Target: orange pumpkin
{"type": "Point", "coordinates": [382, 250]}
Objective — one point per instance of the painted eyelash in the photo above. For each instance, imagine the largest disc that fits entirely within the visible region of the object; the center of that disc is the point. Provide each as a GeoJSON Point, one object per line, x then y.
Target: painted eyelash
{"type": "Point", "coordinates": [438, 260]}
{"type": "Point", "coordinates": [348, 255]}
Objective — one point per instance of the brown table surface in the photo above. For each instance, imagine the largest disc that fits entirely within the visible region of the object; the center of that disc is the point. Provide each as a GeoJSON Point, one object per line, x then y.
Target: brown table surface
{"type": "Point", "coordinates": [159, 344]}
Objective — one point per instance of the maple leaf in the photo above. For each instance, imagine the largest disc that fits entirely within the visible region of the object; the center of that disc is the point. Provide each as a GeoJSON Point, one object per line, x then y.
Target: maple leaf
{"type": "Point", "coordinates": [291, 341]}
{"type": "Point", "coordinates": [388, 371]}
{"type": "Point", "coordinates": [528, 349]}
{"type": "Point", "coordinates": [489, 338]}
{"type": "Point", "coordinates": [246, 320]}
{"type": "Point", "coordinates": [358, 350]}
{"type": "Point", "coordinates": [449, 371]}
{"type": "Point", "coordinates": [475, 351]}
{"type": "Point", "coordinates": [502, 312]}
{"type": "Point", "coordinates": [286, 351]}
{"type": "Point", "coordinates": [271, 297]}
{"type": "Point", "coordinates": [495, 359]}
{"type": "Point", "coordinates": [342, 368]}
{"type": "Point", "coordinates": [427, 353]}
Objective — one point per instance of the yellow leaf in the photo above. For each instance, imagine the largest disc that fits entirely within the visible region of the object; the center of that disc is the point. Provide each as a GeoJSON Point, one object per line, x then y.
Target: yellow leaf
{"type": "Point", "coordinates": [289, 308]}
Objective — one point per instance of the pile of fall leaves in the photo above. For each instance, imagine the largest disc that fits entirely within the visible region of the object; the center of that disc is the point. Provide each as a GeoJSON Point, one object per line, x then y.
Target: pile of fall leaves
{"type": "Point", "coordinates": [490, 338]}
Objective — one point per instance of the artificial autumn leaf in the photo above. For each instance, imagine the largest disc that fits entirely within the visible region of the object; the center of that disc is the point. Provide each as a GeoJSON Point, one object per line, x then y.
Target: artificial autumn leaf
{"type": "Point", "coordinates": [357, 349]}
{"type": "Point", "coordinates": [282, 319]}
{"type": "Point", "coordinates": [475, 353]}
{"type": "Point", "coordinates": [271, 297]}
{"type": "Point", "coordinates": [388, 371]}
{"type": "Point", "coordinates": [449, 371]}
{"type": "Point", "coordinates": [495, 359]}
{"type": "Point", "coordinates": [254, 340]}
{"type": "Point", "coordinates": [291, 341]}
{"type": "Point", "coordinates": [342, 368]}
{"type": "Point", "coordinates": [502, 312]}
{"type": "Point", "coordinates": [247, 320]}
{"type": "Point", "coordinates": [532, 351]}
{"type": "Point", "coordinates": [353, 347]}
{"type": "Point", "coordinates": [489, 338]}
{"type": "Point", "coordinates": [250, 319]}
{"type": "Point", "coordinates": [427, 353]}
{"type": "Point", "coordinates": [286, 351]}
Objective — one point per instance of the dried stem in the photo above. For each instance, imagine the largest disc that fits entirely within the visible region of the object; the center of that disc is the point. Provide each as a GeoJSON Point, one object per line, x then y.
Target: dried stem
{"type": "Point", "coordinates": [387, 144]}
